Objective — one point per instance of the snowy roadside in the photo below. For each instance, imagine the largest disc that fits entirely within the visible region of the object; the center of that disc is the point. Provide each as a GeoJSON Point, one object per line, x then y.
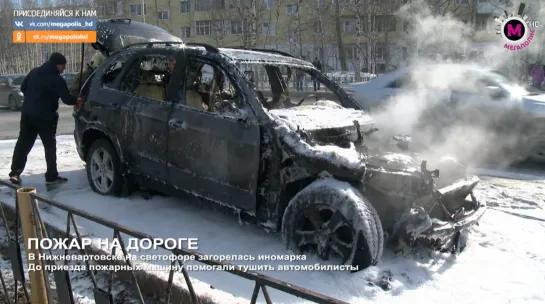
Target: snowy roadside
{"type": "Point", "coordinates": [82, 285]}
{"type": "Point", "coordinates": [502, 263]}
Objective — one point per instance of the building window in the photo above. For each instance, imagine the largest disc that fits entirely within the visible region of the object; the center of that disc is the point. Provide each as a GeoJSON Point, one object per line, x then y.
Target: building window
{"type": "Point", "coordinates": [291, 9]}
{"type": "Point", "coordinates": [268, 29]}
{"type": "Point", "coordinates": [242, 3]}
{"type": "Point", "coordinates": [186, 32]}
{"type": "Point", "coordinates": [407, 26]}
{"type": "Point", "coordinates": [109, 8]}
{"type": "Point", "coordinates": [203, 5]}
{"type": "Point", "coordinates": [162, 15]}
{"type": "Point", "coordinates": [349, 26]}
{"type": "Point", "coordinates": [204, 27]}
{"type": "Point", "coordinates": [112, 7]}
{"type": "Point", "coordinates": [185, 6]}
{"type": "Point", "coordinates": [482, 25]}
{"type": "Point", "coordinates": [136, 9]}
{"type": "Point", "coordinates": [268, 4]}
{"type": "Point", "coordinates": [351, 52]}
{"type": "Point", "coordinates": [462, 2]}
{"type": "Point", "coordinates": [291, 38]}
{"type": "Point", "coordinates": [321, 3]}
{"type": "Point", "coordinates": [380, 52]}
{"type": "Point", "coordinates": [318, 27]}
{"type": "Point", "coordinates": [386, 23]}
{"type": "Point", "coordinates": [237, 27]}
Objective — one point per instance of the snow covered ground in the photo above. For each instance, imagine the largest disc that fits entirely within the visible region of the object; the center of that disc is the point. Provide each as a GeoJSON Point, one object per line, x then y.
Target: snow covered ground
{"type": "Point", "coordinates": [81, 282]}
{"type": "Point", "coordinates": [503, 263]}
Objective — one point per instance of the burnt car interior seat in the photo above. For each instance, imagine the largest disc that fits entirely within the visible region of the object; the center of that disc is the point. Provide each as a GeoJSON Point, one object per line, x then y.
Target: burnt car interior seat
{"type": "Point", "coordinates": [193, 97]}
{"type": "Point", "coordinates": [149, 87]}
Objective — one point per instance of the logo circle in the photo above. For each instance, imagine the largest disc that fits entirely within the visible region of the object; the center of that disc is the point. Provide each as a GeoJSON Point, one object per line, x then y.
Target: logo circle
{"type": "Point", "coordinates": [514, 29]}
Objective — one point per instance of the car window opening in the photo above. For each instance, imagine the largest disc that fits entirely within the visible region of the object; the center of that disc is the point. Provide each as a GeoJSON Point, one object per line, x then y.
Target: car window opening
{"type": "Point", "coordinates": [208, 88]}
{"type": "Point", "coordinates": [284, 86]}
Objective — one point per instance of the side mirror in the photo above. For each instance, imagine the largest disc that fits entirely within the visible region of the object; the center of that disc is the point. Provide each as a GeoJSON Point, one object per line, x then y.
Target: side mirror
{"type": "Point", "coordinates": [495, 92]}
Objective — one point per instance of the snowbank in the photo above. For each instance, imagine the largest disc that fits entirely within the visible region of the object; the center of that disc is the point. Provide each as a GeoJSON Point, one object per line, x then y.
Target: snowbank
{"type": "Point", "coordinates": [503, 263]}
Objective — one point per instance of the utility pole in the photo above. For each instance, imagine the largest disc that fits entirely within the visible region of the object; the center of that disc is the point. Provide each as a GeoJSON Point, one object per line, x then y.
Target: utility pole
{"type": "Point", "coordinates": [38, 292]}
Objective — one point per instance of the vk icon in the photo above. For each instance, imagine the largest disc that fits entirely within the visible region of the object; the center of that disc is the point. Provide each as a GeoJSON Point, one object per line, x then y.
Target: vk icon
{"type": "Point", "coordinates": [18, 24]}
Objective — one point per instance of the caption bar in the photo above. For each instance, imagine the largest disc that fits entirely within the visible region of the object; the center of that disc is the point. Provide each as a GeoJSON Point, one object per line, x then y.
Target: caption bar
{"type": "Point", "coordinates": [45, 13]}
{"type": "Point", "coordinates": [54, 26]}
{"type": "Point", "coordinates": [71, 24]}
{"type": "Point", "coordinates": [143, 260]}
{"type": "Point", "coordinates": [54, 36]}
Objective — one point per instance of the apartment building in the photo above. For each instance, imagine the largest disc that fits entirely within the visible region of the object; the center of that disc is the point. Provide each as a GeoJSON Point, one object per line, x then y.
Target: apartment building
{"type": "Point", "coordinates": [303, 28]}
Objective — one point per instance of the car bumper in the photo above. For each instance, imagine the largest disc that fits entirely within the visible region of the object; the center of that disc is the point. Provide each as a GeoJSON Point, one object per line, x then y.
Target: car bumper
{"type": "Point", "coordinates": [448, 235]}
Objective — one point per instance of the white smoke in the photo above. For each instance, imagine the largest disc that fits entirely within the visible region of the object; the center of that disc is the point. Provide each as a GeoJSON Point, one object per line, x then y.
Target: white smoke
{"type": "Point", "coordinates": [465, 136]}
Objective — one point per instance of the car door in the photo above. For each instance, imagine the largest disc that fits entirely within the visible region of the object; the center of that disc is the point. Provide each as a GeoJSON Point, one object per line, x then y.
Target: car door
{"type": "Point", "coordinates": [4, 90]}
{"type": "Point", "coordinates": [484, 98]}
{"type": "Point", "coordinates": [145, 117]}
{"type": "Point", "coordinates": [212, 155]}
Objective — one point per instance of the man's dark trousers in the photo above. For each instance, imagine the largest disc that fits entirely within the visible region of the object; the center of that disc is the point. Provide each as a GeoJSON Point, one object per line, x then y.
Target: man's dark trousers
{"type": "Point", "coordinates": [30, 128]}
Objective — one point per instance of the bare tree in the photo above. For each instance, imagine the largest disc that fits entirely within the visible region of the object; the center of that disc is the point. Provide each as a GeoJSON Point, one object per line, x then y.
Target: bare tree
{"type": "Point", "coordinates": [271, 12]}
{"type": "Point", "coordinates": [340, 45]}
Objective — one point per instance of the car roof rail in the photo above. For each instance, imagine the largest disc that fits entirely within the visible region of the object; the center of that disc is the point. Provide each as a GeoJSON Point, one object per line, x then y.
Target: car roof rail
{"type": "Point", "coordinates": [120, 20]}
{"type": "Point", "coordinates": [151, 44]}
{"type": "Point", "coordinates": [263, 50]}
{"type": "Point", "coordinates": [207, 47]}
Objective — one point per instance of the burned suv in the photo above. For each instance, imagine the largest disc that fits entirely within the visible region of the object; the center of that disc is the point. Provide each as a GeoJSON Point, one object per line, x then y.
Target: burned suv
{"type": "Point", "coordinates": [226, 125]}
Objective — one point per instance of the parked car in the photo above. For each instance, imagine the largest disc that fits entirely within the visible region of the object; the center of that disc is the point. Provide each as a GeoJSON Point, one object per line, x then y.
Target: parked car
{"type": "Point", "coordinates": [10, 91]}
{"type": "Point", "coordinates": [294, 165]}
{"type": "Point", "coordinates": [471, 94]}
{"type": "Point", "coordinates": [69, 77]}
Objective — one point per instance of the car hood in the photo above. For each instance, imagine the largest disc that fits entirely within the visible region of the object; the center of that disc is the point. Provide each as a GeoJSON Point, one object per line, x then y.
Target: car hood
{"type": "Point", "coordinates": [324, 117]}
{"type": "Point", "coordinates": [115, 34]}
{"type": "Point", "coordinates": [321, 136]}
{"type": "Point", "coordinates": [534, 104]}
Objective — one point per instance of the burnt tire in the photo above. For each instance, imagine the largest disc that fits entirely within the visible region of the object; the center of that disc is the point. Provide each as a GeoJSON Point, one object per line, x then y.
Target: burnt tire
{"type": "Point", "coordinates": [335, 200]}
{"type": "Point", "coordinates": [103, 168]}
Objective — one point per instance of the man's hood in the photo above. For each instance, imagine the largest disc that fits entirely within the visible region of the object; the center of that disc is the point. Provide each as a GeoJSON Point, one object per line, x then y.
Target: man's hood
{"type": "Point", "coordinates": [48, 68]}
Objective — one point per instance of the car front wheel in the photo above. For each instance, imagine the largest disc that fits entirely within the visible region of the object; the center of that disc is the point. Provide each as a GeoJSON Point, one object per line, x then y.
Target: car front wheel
{"type": "Point", "coordinates": [12, 103]}
{"type": "Point", "coordinates": [324, 219]}
{"type": "Point", "coordinates": [103, 168]}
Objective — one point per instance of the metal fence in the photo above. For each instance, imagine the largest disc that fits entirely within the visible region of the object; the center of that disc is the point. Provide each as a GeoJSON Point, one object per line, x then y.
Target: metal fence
{"type": "Point", "coordinates": [64, 294]}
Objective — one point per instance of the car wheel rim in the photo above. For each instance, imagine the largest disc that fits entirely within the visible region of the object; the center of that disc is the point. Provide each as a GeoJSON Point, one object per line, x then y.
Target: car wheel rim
{"type": "Point", "coordinates": [102, 170]}
{"type": "Point", "coordinates": [326, 231]}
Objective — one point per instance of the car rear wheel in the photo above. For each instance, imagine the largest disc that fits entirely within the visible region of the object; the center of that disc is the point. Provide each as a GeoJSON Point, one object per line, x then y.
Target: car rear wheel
{"type": "Point", "coordinates": [12, 103]}
{"type": "Point", "coordinates": [334, 225]}
{"type": "Point", "coordinates": [103, 168]}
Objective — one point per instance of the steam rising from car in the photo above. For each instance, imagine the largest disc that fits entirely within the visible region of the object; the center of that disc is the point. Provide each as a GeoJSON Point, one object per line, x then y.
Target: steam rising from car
{"type": "Point", "coordinates": [466, 138]}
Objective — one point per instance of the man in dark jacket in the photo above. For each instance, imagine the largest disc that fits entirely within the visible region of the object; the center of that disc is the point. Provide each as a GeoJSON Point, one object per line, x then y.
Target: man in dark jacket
{"type": "Point", "coordinates": [318, 65]}
{"type": "Point", "coordinates": [42, 88]}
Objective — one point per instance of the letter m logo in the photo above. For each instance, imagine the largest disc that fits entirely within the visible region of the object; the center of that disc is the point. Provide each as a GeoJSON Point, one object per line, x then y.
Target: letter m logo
{"type": "Point", "coordinates": [517, 31]}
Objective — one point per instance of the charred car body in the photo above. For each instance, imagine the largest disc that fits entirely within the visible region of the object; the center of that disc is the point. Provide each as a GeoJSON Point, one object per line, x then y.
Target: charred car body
{"type": "Point", "coordinates": [297, 165]}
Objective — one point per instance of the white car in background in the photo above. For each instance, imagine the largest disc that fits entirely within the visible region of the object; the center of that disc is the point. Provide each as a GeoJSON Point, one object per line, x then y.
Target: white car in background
{"type": "Point", "coordinates": [468, 93]}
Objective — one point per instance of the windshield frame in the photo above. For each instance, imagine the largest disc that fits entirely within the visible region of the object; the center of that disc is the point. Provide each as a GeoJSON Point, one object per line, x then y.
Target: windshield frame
{"type": "Point", "coordinates": [343, 97]}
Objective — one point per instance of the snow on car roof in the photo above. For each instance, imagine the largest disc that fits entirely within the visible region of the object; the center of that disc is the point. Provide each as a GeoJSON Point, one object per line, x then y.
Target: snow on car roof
{"type": "Point", "coordinates": [248, 56]}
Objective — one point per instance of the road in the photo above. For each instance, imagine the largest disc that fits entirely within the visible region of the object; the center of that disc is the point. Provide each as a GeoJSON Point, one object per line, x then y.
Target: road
{"type": "Point", "coordinates": [9, 122]}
